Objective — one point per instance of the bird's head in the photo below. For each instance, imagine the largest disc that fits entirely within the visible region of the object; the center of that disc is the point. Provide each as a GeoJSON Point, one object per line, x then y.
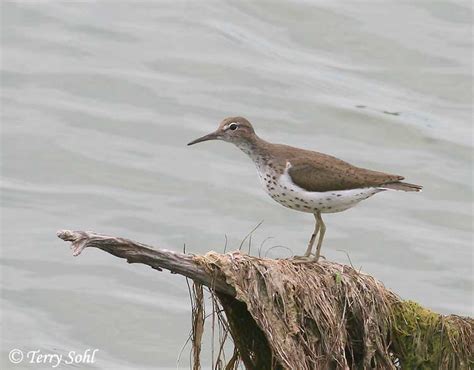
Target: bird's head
{"type": "Point", "coordinates": [236, 130]}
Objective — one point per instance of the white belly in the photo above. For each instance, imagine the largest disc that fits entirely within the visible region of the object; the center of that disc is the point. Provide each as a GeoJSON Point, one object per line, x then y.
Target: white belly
{"type": "Point", "coordinates": [285, 192]}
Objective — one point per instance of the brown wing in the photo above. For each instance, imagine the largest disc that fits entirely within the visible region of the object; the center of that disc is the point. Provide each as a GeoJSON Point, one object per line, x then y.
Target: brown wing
{"type": "Point", "coordinates": [329, 173]}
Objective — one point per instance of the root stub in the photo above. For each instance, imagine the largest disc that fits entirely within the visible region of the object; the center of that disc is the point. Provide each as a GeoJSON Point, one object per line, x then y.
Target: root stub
{"type": "Point", "coordinates": [288, 315]}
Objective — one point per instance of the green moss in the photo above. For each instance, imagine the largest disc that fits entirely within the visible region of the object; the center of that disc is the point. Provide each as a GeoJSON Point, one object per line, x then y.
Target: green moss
{"type": "Point", "coordinates": [423, 339]}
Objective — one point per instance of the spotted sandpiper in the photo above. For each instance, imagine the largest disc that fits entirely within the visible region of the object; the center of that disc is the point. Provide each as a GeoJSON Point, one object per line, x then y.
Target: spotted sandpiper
{"type": "Point", "coordinates": [305, 180]}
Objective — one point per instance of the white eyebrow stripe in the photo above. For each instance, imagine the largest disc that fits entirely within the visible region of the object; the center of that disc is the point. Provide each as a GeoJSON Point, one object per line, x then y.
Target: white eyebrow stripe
{"type": "Point", "coordinates": [226, 127]}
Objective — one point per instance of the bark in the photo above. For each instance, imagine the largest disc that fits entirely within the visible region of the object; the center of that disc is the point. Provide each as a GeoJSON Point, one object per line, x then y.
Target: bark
{"type": "Point", "coordinates": [134, 252]}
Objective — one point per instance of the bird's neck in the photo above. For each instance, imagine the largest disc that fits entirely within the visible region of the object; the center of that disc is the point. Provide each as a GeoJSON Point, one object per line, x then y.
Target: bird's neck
{"type": "Point", "coordinates": [255, 147]}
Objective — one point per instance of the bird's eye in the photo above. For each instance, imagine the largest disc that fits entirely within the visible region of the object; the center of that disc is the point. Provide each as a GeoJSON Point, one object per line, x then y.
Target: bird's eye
{"type": "Point", "coordinates": [233, 126]}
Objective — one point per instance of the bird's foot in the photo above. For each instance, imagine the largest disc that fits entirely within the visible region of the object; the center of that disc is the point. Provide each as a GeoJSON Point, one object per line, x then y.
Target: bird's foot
{"type": "Point", "coordinates": [321, 256]}
{"type": "Point", "coordinates": [306, 259]}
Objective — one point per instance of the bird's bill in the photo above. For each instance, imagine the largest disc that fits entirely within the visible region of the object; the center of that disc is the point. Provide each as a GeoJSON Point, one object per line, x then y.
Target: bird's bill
{"type": "Point", "coordinates": [211, 136]}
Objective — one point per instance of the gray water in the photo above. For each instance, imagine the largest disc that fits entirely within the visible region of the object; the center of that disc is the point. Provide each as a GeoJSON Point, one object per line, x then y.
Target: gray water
{"type": "Point", "coordinates": [100, 99]}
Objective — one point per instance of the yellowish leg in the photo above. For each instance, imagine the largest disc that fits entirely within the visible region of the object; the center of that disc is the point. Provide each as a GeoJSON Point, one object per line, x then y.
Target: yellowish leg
{"type": "Point", "coordinates": [322, 230]}
{"type": "Point", "coordinates": [313, 237]}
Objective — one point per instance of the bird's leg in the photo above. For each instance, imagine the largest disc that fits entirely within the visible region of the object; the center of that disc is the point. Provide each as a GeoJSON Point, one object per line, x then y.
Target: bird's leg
{"type": "Point", "coordinates": [313, 237]}
{"type": "Point", "coordinates": [322, 230]}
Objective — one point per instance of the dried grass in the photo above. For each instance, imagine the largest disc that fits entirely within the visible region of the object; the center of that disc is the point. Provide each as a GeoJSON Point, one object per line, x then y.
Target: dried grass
{"type": "Point", "coordinates": [197, 302]}
{"type": "Point", "coordinates": [330, 316]}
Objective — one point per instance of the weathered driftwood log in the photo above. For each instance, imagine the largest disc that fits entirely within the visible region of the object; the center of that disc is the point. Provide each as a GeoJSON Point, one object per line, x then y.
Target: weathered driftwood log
{"type": "Point", "coordinates": [288, 315]}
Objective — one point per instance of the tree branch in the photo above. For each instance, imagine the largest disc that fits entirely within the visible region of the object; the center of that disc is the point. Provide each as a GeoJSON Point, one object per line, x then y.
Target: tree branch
{"type": "Point", "coordinates": [134, 252]}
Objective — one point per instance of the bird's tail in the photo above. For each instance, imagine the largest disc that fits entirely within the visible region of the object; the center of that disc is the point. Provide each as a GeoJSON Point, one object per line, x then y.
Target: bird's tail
{"type": "Point", "coordinates": [403, 186]}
